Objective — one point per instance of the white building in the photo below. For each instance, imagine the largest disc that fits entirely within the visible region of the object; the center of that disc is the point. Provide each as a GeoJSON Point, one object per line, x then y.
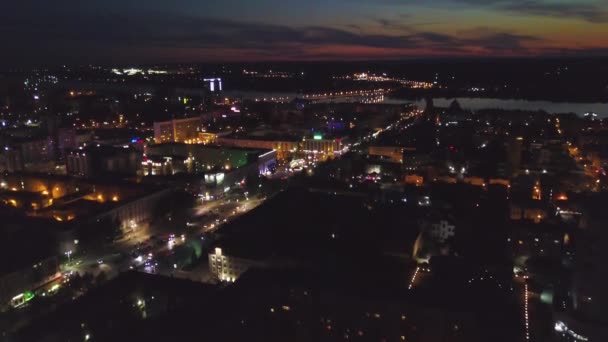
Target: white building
{"type": "Point", "coordinates": [227, 268]}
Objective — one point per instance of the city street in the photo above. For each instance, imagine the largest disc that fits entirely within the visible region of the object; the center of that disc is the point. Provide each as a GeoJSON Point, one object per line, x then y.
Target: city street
{"type": "Point", "coordinates": [120, 255]}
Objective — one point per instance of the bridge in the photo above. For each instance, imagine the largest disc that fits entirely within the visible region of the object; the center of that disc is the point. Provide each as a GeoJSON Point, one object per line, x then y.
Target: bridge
{"type": "Point", "coordinates": [342, 94]}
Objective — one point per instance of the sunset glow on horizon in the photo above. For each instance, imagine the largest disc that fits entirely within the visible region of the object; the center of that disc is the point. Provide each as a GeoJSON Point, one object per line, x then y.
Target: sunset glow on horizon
{"type": "Point", "coordinates": [188, 30]}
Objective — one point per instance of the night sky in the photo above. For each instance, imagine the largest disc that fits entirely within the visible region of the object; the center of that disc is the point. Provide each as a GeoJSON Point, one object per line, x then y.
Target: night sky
{"type": "Point", "coordinates": [107, 31]}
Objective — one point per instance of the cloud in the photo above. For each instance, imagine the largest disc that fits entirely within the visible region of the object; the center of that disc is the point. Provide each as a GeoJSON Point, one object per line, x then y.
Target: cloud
{"type": "Point", "coordinates": [63, 35]}
{"type": "Point", "coordinates": [396, 25]}
{"type": "Point", "coordinates": [593, 11]}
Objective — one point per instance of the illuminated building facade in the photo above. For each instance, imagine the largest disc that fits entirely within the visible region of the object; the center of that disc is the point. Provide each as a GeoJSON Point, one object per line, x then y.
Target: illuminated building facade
{"type": "Point", "coordinates": [227, 268]}
{"type": "Point", "coordinates": [210, 170]}
{"type": "Point", "coordinates": [414, 179]}
{"type": "Point", "coordinates": [284, 148]}
{"type": "Point", "coordinates": [177, 130]}
{"type": "Point", "coordinates": [207, 137]}
{"type": "Point", "coordinates": [214, 84]}
{"type": "Point", "coordinates": [26, 200]}
{"type": "Point", "coordinates": [89, 201]}
{"type": "Point", "coordinates": [324, 147]}
{"type": "Point", "coordinates": [393, 153]}
{"type": "Point", "coordinates": [171, 158]}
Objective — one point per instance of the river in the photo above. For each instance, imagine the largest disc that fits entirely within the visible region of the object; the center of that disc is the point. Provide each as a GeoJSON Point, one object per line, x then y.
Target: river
{"type": "Point", "coordinates": [471, 103]}
{"type": "Point", "coordinates": [475, 103]}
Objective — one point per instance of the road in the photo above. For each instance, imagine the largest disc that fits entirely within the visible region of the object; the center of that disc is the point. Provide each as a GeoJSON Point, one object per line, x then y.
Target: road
{"type": "Point", "coordinates": [144, 246]}
{"type": "Point", "coordinates": [537, 317]}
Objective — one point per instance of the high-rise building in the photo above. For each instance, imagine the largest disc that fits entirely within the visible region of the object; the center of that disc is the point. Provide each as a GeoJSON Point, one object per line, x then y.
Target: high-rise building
{"type": "Point", "coordinates": [587, 319]}
{"type": "Point", "coordinates": [514, 151]}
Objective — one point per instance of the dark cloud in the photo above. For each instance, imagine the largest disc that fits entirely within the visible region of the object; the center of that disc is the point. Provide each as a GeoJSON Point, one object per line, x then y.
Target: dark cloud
{"type": "Point", "coordinates": [504, 41]}
{"type": "Point", "coordinates": [163, 28]}
{"type": "Point", "coordinates": [595, 13]}
{"type": "Point", "coordinates": [79, 34]}
{"type": "Point", "coordinates": [590, 11]}
{"type": "Point", "coordinates": [395, 25]}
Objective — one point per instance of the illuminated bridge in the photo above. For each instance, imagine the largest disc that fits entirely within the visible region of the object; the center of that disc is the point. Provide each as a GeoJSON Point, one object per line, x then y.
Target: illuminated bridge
{"type": "Point", "coordinates": [342, 94]}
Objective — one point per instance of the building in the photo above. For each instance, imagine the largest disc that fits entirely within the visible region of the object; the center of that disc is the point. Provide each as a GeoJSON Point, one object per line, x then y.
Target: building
{"type": "Point", "coordinates": [393, 153]}
{"type": "Point", "coordinates": [324, 147]}
{"type": "Point", "coordinates": [414, 179]}
{"type": "Point", "coordinates": [172, 158]}
{"type": "Point", "coordinates": [214, 84]}
{"type": "Point", "coordinates": [77, 163]}
{"type": "Point", "coordinates": [473, 180]}
{"type": "Point", "coordinates": [177, 130]}
{"type": "Point", "coordinates": [529, 210]}
{"type": "Point", "coordinates": [10, 160]}
{"type": "Point", "coordinates": [210, 137]}
{"type": "Point", "coordinates": [95, 161]}
{"type": "Point", "coordinates": [531, 240]}
{"type": "Point", "coordinates": [228, 268]}
{"type": "Point", "coordinates": [36, 150]}
{"type": "Point", "coordinates": [207, 169]}
{"type": "Point", "coordinates": [442, 230]}
{"type": "Point", "coordinates": [66, 140]}
{"type": "Point", "coordinates": [586, 320]}
{"type": "Point", "coordinates": [81, 201]}
{"type": "Point", "coordinates": [25, 200]}
{"type": "Point", "coordinates": [514, 150]}
{"type": "Point", "coordinates": [285, 147]}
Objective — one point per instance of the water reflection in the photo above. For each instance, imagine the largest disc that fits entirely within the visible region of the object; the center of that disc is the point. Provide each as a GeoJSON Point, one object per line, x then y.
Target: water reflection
{"type": "Point", "coordinates": [471, 103]}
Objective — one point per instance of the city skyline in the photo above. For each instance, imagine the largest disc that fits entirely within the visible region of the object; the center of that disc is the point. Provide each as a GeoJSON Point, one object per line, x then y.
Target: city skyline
{"type": "Point", "coordinates": [112, 31]}
{"type": "Point", "coordinates": [313, 170]}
